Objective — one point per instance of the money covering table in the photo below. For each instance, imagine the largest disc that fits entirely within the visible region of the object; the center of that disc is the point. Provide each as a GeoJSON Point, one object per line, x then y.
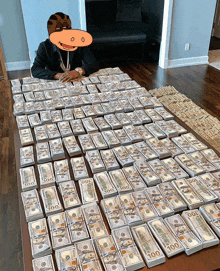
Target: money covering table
{"type": "Point", "coordinates": [207, 259]}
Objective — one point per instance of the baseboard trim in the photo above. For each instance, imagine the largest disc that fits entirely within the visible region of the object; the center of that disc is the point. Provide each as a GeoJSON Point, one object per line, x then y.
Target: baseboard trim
{"type": "Point", "coordinates": [182, 62]}
{"type": "Point", "coordinates": [16, 66]}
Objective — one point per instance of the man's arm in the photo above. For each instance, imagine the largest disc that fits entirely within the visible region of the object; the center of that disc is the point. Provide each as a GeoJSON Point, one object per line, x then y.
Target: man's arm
{"type": "Point", "coordinates": [40, 62]}
{"type": "Point", "coordinates": [90, 64]}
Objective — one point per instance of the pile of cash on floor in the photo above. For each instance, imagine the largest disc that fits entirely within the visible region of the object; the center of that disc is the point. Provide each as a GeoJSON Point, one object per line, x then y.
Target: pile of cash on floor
{"type": "Point", "coordinates": [110, 181]}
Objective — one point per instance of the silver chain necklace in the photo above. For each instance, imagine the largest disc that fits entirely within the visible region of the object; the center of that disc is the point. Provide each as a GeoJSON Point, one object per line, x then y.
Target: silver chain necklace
{"type": "Point", "coordinates": [67, 68]}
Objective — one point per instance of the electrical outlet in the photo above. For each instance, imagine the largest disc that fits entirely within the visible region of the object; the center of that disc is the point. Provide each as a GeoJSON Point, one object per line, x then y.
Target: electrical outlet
{"type": "Point", "coordinates": [187, 47]}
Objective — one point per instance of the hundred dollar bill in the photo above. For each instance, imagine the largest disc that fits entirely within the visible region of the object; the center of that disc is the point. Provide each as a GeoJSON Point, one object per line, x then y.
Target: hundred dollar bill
{"type": "Point", "coordinates": [95, 161]}
{"type": "Point", "coordinates": [201, 160]}
{"type": "Point", "coordinates": [39, 106]}
{"type": "Point", "coordinates": [164, 113]}
{"type": "Point", "coordinates": [69, 194]}
{"type": "Point", "coordinates": [123, 238]}
{"type": "Point", "coordinates": [113, 121]}
{"type": "Point", "coordinates": [78, 113]}
{"type": "Point", "coordinates": [87, 189]}
{"type": "Point", "coordinates": [135, 103]}
{"type": "Point", "coordinates": [144, 132]}
{"type": "Point", "coordinates": [211, 183]}
{"type": "Point", "coordinates": [146, 102]}
{"type": "Point", "coordinates": [187, 238]}
{"type": "Point", "coordinates": [212, 157]}
{"type": "Point", "coordinates": [50, 200]}
{"type": "Point", "coordinates": [134, 178]}
{"type": "Point", "coordinates": [168, 130]}
{"type": "Point", "coordinates": [45, 117]}
{"type": "Point", "coordinates": [77, 101]}
{"type": "Point", "coordinates": [79, 168]}
{"type": "Point", "coordinates": [198, 145]}
{"type": "Point", "coordinates": [174, 168]}
{"type": "Point", "coordinates": [78, 231]}
{"type": "Point", "coordinates": [18, 109]}
{"type": "Point", "coordinates": [49, 105]}
{"type": "Point", "coordinates": [67, 259]}
{"type": "Point", "coordinates": [64, 128]}
{"type": "Point", "coordinates": [39, 96]}
{"type": "Point", "coordinates": [28, 178]}
{"type": "Point", "coordinates": [37, 228]}
{"type": "Point", "coordinates": [74, 216]}
{"type": "Point", "coordinates": [181, 130]}
{"type": "Point", "coordinates": [71, 146]}
{"type": "Point", "coordinates": [198, 225]}
{"type": "Point", "coordinates": [43, 152]}
{"type": "Point", "coordinates": [27, 156]}
{"type": "Point", "coordinates": [67, 101]}
{"type": "Point", "coordinates": [159, 168]}
{"type": "Point", "coordinates": [135, 153]}
{"type": "Point", "coordinates": [67, 114]}
{"type": "Point", "coordinates": [26, 137]}
{"type": "Point", "coordinates": [111, 139]}
{"type": "Point", "coordinates": [133, 133]}
{"type": "Point", "coordinates": [202, 190]}
{"type": "Point", "coordinates": [119, 180]}
{"type": "Point", "coordinates": [89, 125]}
{"type": "Point", "coordinates": [29, 108]}
{"type": "Point", "coordinates": [43, 264]}
{"type": "Point", "coordinates": [62, 172]}
{"type": "Point", "coordinates": [123, 137]}
{"type": "Point", "coordinates": [22, 122]}
{"type": "Point", "coordinates": [56, 149]}
{"type": "Point", "coordinates": [147, 173]}
{"type": "Point", "coordinates": [109, 160]}
{"type": "Point", "coordinates": [183, 144]}
{"type": "Point", "coordinates": [32, 205]}
{"type": "Point", "coordinates": [40, 133]}
{"type": "Point", "coordinates": [153, 114]}
{"type": "Point", "coordinates": [149, 248]}
{"type": "Point", "coordinates": [52, 131]}
{"type": "Point", "coordinates": [86, 252]}
{"type": "Point", "coordinates": [123, 118]}
{"type": "Point", "coordinates": [158, 147]}
{"type": "Point", "coordinates": [172, 148]}
{"type": "Point", "coordinates": [145, 149]}
{"type": "Point", "coordinates": [122, 156]}
{"type": "Point", "coordinates": [155, 130]}
{"type": "Point", "coordinates": [117, 106]}
{"type": "Point", "coordinates": [105, 184]}
{"type": "Point", "coordinates": [210, 212]}
{"type": "Point", "coordinates": [105, 246]}
{"type": "Point", "coordinates": [40, 246]}
{"type": "Point", "coordinates": [89, 111]}
{"type": "Point", "coordinates": [102, 124]}
{"type": "Point", "coordinates": [143, 116]}
{"type": "Point", "coordinates": [56, 115]}
{"type": "Point", "coordinates": [170, 244]}
{"type": "Point", "coordinates": [107, 108]}
{"type": "Point", "coordinates": [190, 196]}
{"type": "Point", "coordinates": [135, 120]}
{"type": "Point", "coordinates": [99, 141]}
{"type": "Point", "coordinates": [126, 105]}
{"type": "Point", "coordinates": [77, 127]}
{"type": "Point", "coordinates": [86, 143]}
{"type": "Point", "coordinates": [46, 174]}
{"type": "Point", "coordinates": [189, 165]}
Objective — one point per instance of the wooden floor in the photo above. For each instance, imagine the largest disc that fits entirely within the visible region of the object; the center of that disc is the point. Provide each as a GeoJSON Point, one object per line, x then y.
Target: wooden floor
{"type": "Point", "coordinates": [199, 83]}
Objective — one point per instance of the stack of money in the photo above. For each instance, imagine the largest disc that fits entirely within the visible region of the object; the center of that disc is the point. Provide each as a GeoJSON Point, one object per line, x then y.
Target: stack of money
{"type": "Point", "coordinates": [159, 168]}
{"type": "Point", "coordinates": [135, 103]}
{"type": "Point", "coordinates": [77, 127]}
{"type": "Point", "coordinates": [189, 241]}
{"type": "Point", "coordinates": [108, 253]}
{"type": "Point", "coordinates": [39, 106]}
{"type": "Point", "coordinates": [164, 113]}
{"type": "Point", "coordinates": [190, 196]}
{"type": "Point", "coordinates": [120, 182]}
{"type": "Point", "coordinates": [161, 204]}
{"type": "Point", "coordinates": [62, 172]}
{"type": "Point", "coordinates": [134, 178]}
{"type": "Point", "coordinates": [167, 128]}
{"type": "Point", "coordinates": [46, 262]}
{"type": "Point", "coordinates": [123, 118]}
{"type": "Point", "coordinates": [69, 194]}
{"type": "Point", "coordinates": [40, 133]}
{"type": "Point", "coordinates": [46, 174]}
{"type": "Point", "coordinates": [212, 157]}
{"type": "Point", "coordinates": [105, 185]}
{"type": "Point", "coordinates": [56, 115]}
{"type": "Point", "coordinates": [86, 143]}
{"type": "Point", "coordinates": [128, 250]}
{"type": "Point", "coordinates": [67, 101]}
{"type": "Point", "coordinates": [189, 165]}
{"type": "Point", "coordinates": [135, 154]}
{"type": "Point", "coordinates": [133, 133]}
{"type": "Point", "coordinates": [211, 183]}
{"type": "Point", "coordinates": [28, 178]}
{"type": "Point", "coordinates": [89, 111]}
{"type": "Point", "coordinates": [131, 212]}
{"type": "Point", "coordinates": [79, 168]}
{"type": "Point", "coordinates": [27, 156]}
{"type": "Point", "coordinates": [94, 221]}
{"type": "Point", "coordinates": [198, 145]}
{"type": "Point", "coordinates": [43, 152]}
{"type": "Point", "coordinates": [45, 117]}
{"type": "Point", "coordinates": [39, 237]}
{"type": "Point", "coordinates": [167, 240]}
{"type": "Point", "coordinates": [87, 256]}
{"type": "Point", "coordinates": [172, 148]}
{"type": "Point", "coordinates": [52, 131]}
{"type": "Point", "coordinates": [109, 160]}
{"type": "Point", "coordinates": [144, 149]}
{"type": "Point", "coordinates": [155, 130]}
{"type": "Point", "coordinates": [50, 200]}
{"type": "Point", "coordinates": [76, 224]}
{"type": "Point", "coordinates": [49, 105]}
{"type": "Point", "coordinates": [122, 156]}
{"type": "Point", "coordinates": [143, 116]}
{"type": "Point", "coordinates": [95, 161]}
{"type": "Point", "coordinates": [183, 144]}
{"type": "Point", "coordinates": [158, 147]}
{"type": "Point", "coordinates": [201, 160]}
{"type": "Point", "coordinates": [102, 124]}
{"type": "Point", "coordinates": [181, 130]}
{"type": "Point", "coordinates": [117, 106]}
{"type": "Point", "coordinates": [71, 146]}
{"type": "Point", "coordinates": [67, 114]}
{"type": "Point", "coordinates": [147, 173]}
{"type": "Point", "coordinates": [146, 102]}
{"type": "Point", "coordinates": [122, 137]}
{"type": "Point", "coordinates": [26, 137]}
{"type": "Point", "coordinates": [89, 125]}
{"type": "Point", "coordinates": [56, 149]}
{"type": "Point", "coordinates": [112, 121]}
{"type": "Point", "coordinates": [59, 231]}
{"type": "Point", "coordinates": [32, 205]}
{"type": "Point", "coordinates": [152, 113]}
{"type": "Point", "coordinates": [144, 132]}
{"type": "Point", "coordinates": [211, 213]}
{"type": "Point", "coordinates": [99, 141]}
{"type": "Point", "coordinates": [111, 139]}
{"type": "Point", "coordinates": [22, 122]}
{"type": "Point", "coordinates": [29, 108]}
{"type": "Point", "coordinates": [127, 107]}
{"type": "Point", "coordinates": [107, 108]}
{"type": "Point", "coordinates": [135, 120]}
{"type": "Point", "coordinates": [67, 259]}
{"type": "Point", "coordinates": [78, 113]}
{"type": "Point", "coordinates": [64, 128]}
{"type": "Point", "coordinates": [18, 109]}
{"type": "Point", "coordinates": [113, 212]}
{"type": "Point", "coordinates": [174, 168]}
{"type": "Point", "coordinates": [172, 196]}
{"type": "Point", "coordinates": [198, 225]}
{"type": "Point", "coordinates": [206, 194]}
{"type": "Point", "coordinates": [149, 248]}
{"type": "Point", "coordinates": [87, 189]}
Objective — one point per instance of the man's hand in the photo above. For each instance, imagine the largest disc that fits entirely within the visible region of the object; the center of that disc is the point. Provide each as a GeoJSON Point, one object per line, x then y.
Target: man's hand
{"type": "Point", "coordinates": [57, 76]}
{"type": "Point", "coordinates": [68, 76]}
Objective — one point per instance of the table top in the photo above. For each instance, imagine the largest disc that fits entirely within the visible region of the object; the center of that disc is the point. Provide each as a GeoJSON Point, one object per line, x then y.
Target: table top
{"type": "Point", "coordinates": [204, 260]}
